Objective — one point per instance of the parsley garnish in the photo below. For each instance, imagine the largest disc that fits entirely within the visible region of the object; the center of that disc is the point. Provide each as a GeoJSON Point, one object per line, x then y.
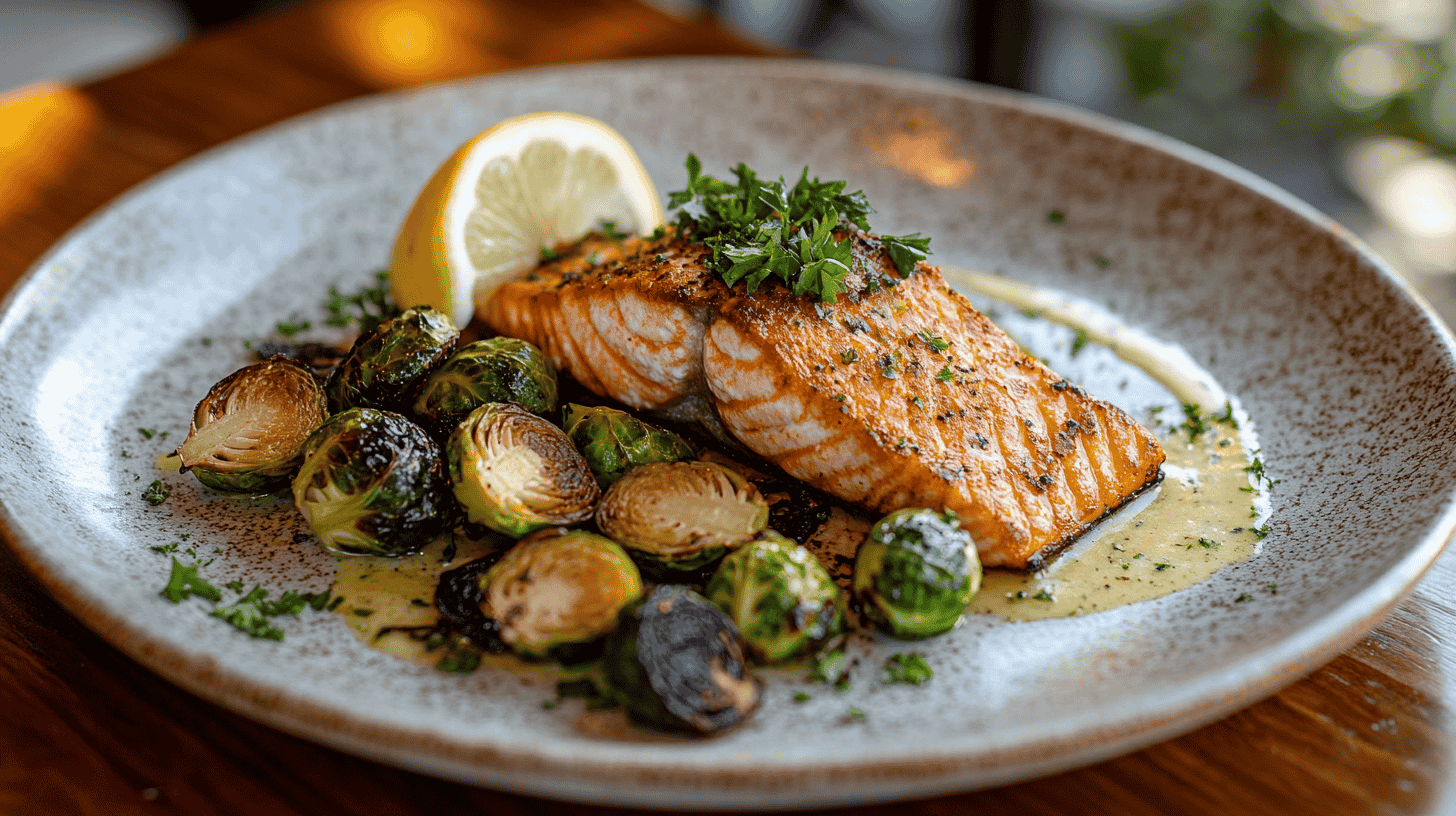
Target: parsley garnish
{"type": "Point", "coordinates": [1260, 532]}
{"type": "Point", "coordinates": [1079, 341]}
{"type": "Point", "coordinates": [759, 229]}
{"type": "Point", "coordinates": [935, 341]}
{"type": "Point", "coordinates": [1056, 216]}
{"type": "Point", "coordinates": [184, 582]}
{"type": "Point", "coordinates": [854, 715]}
{"type": "Point", "coordinates": [944, 374]}
{"type": "Point", "coordinates": [1244, 597]}
{"type": "Point", "coordinates": [1195, 424]}
{"type": "Point", "coordinates": [368, 307]}
{"type": "Point", "coordinates": [147, 433]}
{"type": "Point", "coordinates": [156, 493]}
{"type": "Point", "coordinates": [848, 356]}
{"type": "Point", "coordinates": [288, 329]}
{"type": "Point", "coordinates": [832, 667]}
{"type": "Point", "coordinates": [247, 614]}
{"type": "Point", "coordinates": [907, 668]}
{"type": "Point", "coordinates": [1043, 595]}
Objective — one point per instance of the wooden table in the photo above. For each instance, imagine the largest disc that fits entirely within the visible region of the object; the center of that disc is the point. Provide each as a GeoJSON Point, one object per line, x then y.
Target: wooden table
{"type": "Point", "coordinates": [84, 729]}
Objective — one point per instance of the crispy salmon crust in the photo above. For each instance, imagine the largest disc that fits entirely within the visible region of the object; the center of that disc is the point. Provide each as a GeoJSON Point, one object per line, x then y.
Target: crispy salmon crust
{"type": "Point", "coordinates": [900, 396]}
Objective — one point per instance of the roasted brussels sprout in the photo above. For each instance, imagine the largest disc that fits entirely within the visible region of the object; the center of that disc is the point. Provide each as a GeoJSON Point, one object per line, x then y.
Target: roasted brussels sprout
{"type": "Point", "coordinates": [373, 483]}
{"type": "Point", "coordinates": [558, 587]}
{"type": "Point", "coordinates": [387, 365]}
{"type": "Point", "coordinates": [681, 515]}
{"type": "Point", "coordinates": [515, 472]}
{"type": "Point", "coordinates": [247, 434]}
{"type": "Point", "coordinates": [500, 369]}
{"type": "Point", "coordinates": [613, 442]}
{"type": "Point", "coordinates": [780, 597]}
{"type": "Point", "coordinates": [916, 573]}
{"type": "Point", "coordinates": [676, 662]}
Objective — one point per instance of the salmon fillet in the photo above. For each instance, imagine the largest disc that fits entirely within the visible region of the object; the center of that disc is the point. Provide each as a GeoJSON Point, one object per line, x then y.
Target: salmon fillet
{"type": "Point", "coordinates": [901, 396]}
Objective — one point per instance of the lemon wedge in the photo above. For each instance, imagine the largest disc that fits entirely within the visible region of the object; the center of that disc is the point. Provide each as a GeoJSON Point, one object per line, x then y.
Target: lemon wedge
{"type": "Point", "coordinates": [528, 182]}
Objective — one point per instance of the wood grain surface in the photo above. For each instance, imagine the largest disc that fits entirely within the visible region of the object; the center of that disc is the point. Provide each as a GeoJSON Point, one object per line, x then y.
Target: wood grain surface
{"type": "Point", "coordinates": [84, 729]}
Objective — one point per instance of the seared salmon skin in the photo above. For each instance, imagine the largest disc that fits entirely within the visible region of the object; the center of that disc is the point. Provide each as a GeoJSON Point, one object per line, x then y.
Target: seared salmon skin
{"type": "Point", "coordinates": [897, 396]}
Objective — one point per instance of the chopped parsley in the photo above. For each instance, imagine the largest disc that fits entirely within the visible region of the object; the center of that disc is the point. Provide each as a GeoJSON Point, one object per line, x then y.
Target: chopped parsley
{"type": "Point", "coordinates": [367, 308]}
{"type": "Point", "coordinates": [1226, 416]}
{"type": "Point", "coordinates": [907, 668]}
{"type": "Point", "coordinates": [147, 433]}
{"type": "Point", "coordinates": [156, 493]}
{"type": "Point", "coordinates": [184, 582]}
{"type": "Point", "coordinates": [832, 667]}
{"type": "Point", "coordinates": [802, 697]}
{"type": "Point", "coordinates": [549, 254]}
{"type": "Point", "coordinates": [854, 715]}
{"type": "Point", "coordinates": [1260, 532]}
{"type": "Point", "coordinates": [1244, 597]}
{"type": "Point", "coordinates": [1273, 588]}
{"type": "Point", "coordinates": [935, 341]}
{"type": "Point", "coordinates": [1079, 341]}
{"type": "Point", "coordinates": [848, 356]}
{"type": "Point", "coordinates": [288, 329]}
{"type": "Point", "coordinates": [1195, 424]}
{"type": "Point", "coordinates": [1056, 216]}
{"type": "Point", "coordinates": [760, 229]}
{"type": "Point", "coordinates": [944, 375]}
{"type": "Point", "coordinates": [1043, 595]}
{"type": "Point", "coordinates": [247, 613]}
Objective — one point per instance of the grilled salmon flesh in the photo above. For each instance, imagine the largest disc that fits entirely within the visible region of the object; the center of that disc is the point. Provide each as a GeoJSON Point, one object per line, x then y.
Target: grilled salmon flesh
{"type": "Point", "coordinates": [899, 396]}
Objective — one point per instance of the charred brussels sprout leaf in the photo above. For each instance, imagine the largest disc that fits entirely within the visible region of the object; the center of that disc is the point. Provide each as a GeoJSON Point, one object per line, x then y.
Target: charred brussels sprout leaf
{"type": "Point", "coordinates": [613, 442]}
{"type": "Point", "coordinates": [916, 573]}
{"type": "Point", "coordinates": [516, 473]}
{"type": "Point", "coordinates": [779, 595]}
{"type": "Point", "coordinates": [373, 483]}
{"type": "Point", "coordinates": [676, 662]}
{"type": "Point", "coordinates": [387, 364]}
{"type": "Point", "coordinates": [500, 369]}
{"type": "Point", "coordinates": [247, 434]}
{"type": "Point", "coordinates": [681, 515]}
{"type": "Point", "coordinates": [558, 588]}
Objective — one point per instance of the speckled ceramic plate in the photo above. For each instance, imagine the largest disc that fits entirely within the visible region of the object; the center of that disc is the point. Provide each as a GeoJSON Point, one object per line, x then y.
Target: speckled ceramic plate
{"type": "Point", "coordinates": [1351, 381]}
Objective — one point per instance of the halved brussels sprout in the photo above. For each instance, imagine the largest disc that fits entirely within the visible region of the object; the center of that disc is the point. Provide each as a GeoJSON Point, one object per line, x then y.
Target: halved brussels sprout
{"type": "Point", "coordinates": [556, 588]}
{"type": "Point", "coordinates": [681, 515]}
{"type": "Point", "coordinates": [779, 595]}
{"type": "Point", "coordinates": [247, 434]}
{"type": "Point", "coordinates": [916, 572]}
{"type": "Point", "coordinates": [613, 442]}
{"type": "Point", "coordinates": [387, 365]}
{"type": "Point", "coordinates": [516, 473]}
{"type": "Point", "coordinates": [677, 662]}
{"type": "Point", "coordinates": [499, 369]}
{"type": "Point", "coordinates": [373, 483]}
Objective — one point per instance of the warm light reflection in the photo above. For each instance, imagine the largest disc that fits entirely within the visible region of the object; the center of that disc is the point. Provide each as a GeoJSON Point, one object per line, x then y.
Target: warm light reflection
{"type": "Point", "coordinates": [43, 129]}
{"type": "Point", "coordinates": [1368, 73]}
{"type": "Point", "coordinates": [396, 43]}
{"type": "Point", "coordinates": [1413, 193]}
{"type": "Point", "coordinates": [918, 143]}
{"type": "Point", "coordinates": [1409, 20]}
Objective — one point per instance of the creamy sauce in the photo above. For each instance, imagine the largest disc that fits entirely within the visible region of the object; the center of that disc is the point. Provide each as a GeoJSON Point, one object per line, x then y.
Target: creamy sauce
{"type": "Point", "coordinates": [1201, 518]}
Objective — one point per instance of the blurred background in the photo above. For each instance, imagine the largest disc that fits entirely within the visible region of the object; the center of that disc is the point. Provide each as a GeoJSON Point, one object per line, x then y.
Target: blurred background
{"type": "Point", "coordinates": [1349, 104]}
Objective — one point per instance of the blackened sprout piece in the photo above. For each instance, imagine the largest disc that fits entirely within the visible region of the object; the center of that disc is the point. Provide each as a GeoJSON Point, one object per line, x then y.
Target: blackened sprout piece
{"type": "Point", "coordinates": [515, 473]}
{"type": "Point", "coordinates": [681, 515]}
{"type": "Point", "coordinates": [387, 364]}
{"type": "Point", "coordinates": [247, 433]}
{"type": "Point", "coordinates": [498, 369]}
{"type": "Point", "coordinates": [558, 588]}
{"type": "Point", "coordinates": [780, 597]}
{"type": "Point", "coordinates": [916, 573]}
{"type": "Point", "coordinates": [613, 442]}
{"type": "Point", "coordinates": [373, 483]}
{"type": "Point", "coordinates": [676, 662]}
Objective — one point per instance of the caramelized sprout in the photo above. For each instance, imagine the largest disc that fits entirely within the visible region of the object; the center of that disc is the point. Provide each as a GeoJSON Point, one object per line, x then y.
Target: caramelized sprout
{"type": "Point", "coordinates": [613, 442]}
{"type": "Point", "coordinates": [677, 662]}
{"type": "Point", "coordinates": [373, 483]}
{"type": "Point", "coordinates": [779, 595]}
{"type": "Point", "coordinates": [247, 434]}
{"type": "Point", "coordinates": [681, 515]}
{"type": "Point", "coordinates": [516, 473]}
{"type": "Point", "coordinates": [556, 588]}
{"type": "Point", "coordinates": [387, 365]}
{"type": "Point", "coordinates": [500, 369]}
{"type": "Point", "coordinates": [916, 573]}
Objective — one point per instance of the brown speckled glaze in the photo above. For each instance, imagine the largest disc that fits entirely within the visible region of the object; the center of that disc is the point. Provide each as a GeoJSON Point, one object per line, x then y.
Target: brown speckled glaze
{"type": "Point", "coordinates": [1351, 381]}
